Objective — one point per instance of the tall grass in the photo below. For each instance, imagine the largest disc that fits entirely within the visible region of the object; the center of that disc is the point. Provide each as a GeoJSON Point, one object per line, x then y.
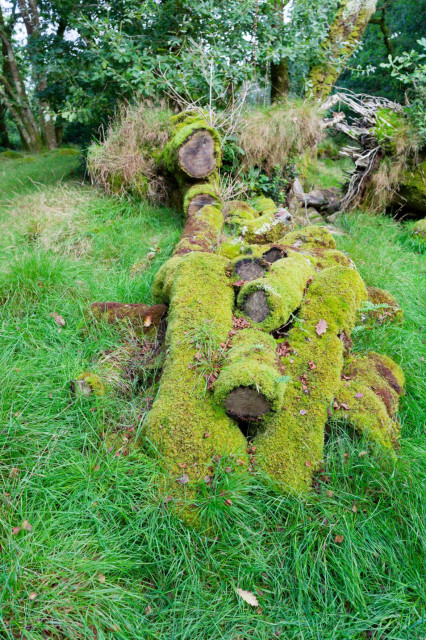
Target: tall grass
{"type": "Point", "coordinates": [105, 559]}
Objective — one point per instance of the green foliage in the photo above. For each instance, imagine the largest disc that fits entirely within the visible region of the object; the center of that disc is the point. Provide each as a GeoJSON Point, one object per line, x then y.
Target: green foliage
{"type": "Point", "coordinates": [410, 70]}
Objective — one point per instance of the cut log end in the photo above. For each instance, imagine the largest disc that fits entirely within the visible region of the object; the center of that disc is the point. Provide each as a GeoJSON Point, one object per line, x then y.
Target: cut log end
{"type": "Point", "coordinates": [274, 254]}
{"type": "Point", "coordinates": [199, 201]}
{"type": "Point", "coordinates": [245, 403]}
{"type": "Point", "coordinates": [256, 306]}
{"type": "Point", "coordinates": [249, 269]}
{"type": "Point", "coordinates": [197, 155]}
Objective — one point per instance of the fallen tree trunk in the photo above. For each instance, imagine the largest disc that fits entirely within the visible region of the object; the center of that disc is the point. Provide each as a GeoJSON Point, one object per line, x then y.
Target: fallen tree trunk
{"type": "Point", "coordinates": [257, 339]}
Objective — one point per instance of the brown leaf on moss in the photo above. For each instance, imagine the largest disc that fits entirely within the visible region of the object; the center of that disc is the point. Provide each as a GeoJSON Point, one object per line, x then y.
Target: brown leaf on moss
{"type": "Point", "coordinates": [321, 327]}
{"type": "Point", "coordinates": [302, 412]}
{"type": "Point", "coordinates": [359, 395]}
{"type": "Point", "coordinates": [184, 479]}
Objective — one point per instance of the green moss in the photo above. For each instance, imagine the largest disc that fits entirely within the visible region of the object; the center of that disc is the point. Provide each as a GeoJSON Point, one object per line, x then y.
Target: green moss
{"type": "Point", "coordinates": [9, 154]}
{"type": "Point", "coordinates": [291, 447]}
{"type": "Point", "coordinates": [182, 414]}
{"type": "Point", "coordinates": [418, 229]}
{"type": "Point", "coordinates": [386, 128]}
{"type": "Point", "coordinates": [231, 248]}
{"type": "Point", "coordinates": [326, 258]}
{"type": "Point", "coordinates": [264, 229]}
{"type": "Point", "coordinates": [264, 205]}
{"type": "Point", "coordinates": [412, 191]}
{"type": "Point", "coordinates": [283, 286]}
{"type": "Point", "coordinates": [309, 238]}
{"type": "Point", "coordinates": [204, 188]}
{"type": "Point", "coordinates": [164, 279]}
{"type": "Point", "coordinates": [370, 395]}
{"type": "Point", "coordinates": [252, 362]}
{"type": "Point", "coordinates": [88, 382]}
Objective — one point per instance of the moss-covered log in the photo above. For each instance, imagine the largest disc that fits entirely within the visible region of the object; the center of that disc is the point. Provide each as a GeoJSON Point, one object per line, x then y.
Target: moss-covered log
{"type": "Point", "coordinates": [291, 446]}
{"type": "Point", "coordinates": [194, 148]}
{"type": "Point", "coordinates": [270, 300]}
{"type": "Point", "coordinates": [201, 231]}
{"type": "Point", "coordinates": [185, 422]}
{"type": "Point", "coordinates": [368, 397]}
{"type": "Point", "coordinates": [251, 384]}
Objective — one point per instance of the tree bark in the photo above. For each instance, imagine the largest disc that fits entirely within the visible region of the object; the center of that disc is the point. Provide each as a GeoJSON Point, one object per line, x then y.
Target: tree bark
{"type": "Point", "coordinates": [280, 81]}
{"type": "Point", "coordinates": [344, 36]}
{"type": "Point", "coordinates": [31, 18]}
{"type": "Point", "coordinates": [4, 136]}
{"type": "Point", "coordinates": [14, 95]}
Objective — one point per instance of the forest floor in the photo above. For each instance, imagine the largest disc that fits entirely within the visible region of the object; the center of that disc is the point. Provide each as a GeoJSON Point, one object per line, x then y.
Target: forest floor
{"type": "Point", "coordinates": [88, 550]}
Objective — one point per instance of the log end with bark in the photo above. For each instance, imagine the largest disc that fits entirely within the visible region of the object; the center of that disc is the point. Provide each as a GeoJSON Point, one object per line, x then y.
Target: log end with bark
{"type": "Point", "coordinates": [194, 149]}
{"type": "Point", "coordinates": [250, 384]}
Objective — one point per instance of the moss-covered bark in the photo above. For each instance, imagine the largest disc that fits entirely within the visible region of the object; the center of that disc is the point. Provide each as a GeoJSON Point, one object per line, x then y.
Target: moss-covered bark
{"type": "Point", "coordinates": [251, 383]}
{"type": "Point", "coordinates": [344, 36]}
{"type": "Point", "coordinates": [185, 422]}
{"type": "Point", "coordinates": [291, 447]}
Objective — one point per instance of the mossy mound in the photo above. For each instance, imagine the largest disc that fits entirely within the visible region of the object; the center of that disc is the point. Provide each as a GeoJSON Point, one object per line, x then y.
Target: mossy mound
{"type": "Point", "coordinates": [9, 154]}
{"type": "Point", "coordinates": [383, 307]}
{"type": "Point", "coordinates": [412, 192]}
{"type": "Point", "coordinates": [418, 230]}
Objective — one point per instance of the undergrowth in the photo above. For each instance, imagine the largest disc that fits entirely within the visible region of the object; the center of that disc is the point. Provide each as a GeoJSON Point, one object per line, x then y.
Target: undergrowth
{"type": "Point", "coordinates": [89, 548]}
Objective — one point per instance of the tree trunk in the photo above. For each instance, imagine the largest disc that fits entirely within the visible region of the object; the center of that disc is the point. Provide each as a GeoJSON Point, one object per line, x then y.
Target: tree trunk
{"type": "Point", "coordinates": [14, 94]}
{"type": "Point", "coordinates": [280, 81]}
{"type": "Point", "coordinates": [344, 36]}
{"type": "Point", "coordinates": [4, 136]}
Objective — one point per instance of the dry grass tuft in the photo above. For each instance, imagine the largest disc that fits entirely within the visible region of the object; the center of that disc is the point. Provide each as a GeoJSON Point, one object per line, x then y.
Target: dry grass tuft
{"type": "Point", "coordinates": [50, 218]}
{"type": "Point", "coordinates": [123, 161]}
{"type": "Point", "coordinates": [270, 135]}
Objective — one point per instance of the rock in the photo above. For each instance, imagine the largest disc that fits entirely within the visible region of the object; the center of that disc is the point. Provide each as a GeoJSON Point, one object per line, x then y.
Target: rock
{"type": "Point", "coordinates": [334, 216]}
{"type": "Point", "coordinates": [412, 192]}
{"type": "Point", "coordinates": [297, 189]}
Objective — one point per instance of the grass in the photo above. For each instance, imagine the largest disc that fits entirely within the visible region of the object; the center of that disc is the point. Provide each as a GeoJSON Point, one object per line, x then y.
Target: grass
{"type": "Point", "coordinates": [105, 559]}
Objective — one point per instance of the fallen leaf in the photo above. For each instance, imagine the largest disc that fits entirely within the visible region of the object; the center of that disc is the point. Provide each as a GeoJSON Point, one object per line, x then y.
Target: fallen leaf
{"type": "Point", "coordinates": [248, 597]}
{"type": "Point", "coordinates": [338, 539]}
{"type": "Point", "coordinates": [184, 479]}
{"type": "Point", "coordinates": [14, 472]}
{"type": "Point", "coordinates": [15, 530]}
{"type": "Point", "coordinates": [58, 319]}
{"type": "Point", "coordinates": [344, 406]}
{"type": "Point", "coordinates": [330, 494]}
{"type": "Point", "coordinates": [228, 502]}
{"type": "Point", "coordinates": [147, 322]}
{"type": "Point", "coordinates": [307, 463]}
{"type": "Point", "coordinates": [239, 283]}
{"type": "Point", "coordinates": [302, 412]}
{"type": "Point", "coordinates": [182, 465]}
{"type": "Point", "coordinates": [312, 365]}
{"type": "Point", "coordinates": [26, 525]}
{"type": "Point", "coordinates": [362, 453]}
{"type": "Point", "coordinates": [101, 578]}
{"type": "Point", "coordinates": [96, 467]}
{"type": "Point", "coordinates": [207, 434]}
{"type": "Point", "coordinates": [359, 395]}
{"type": "Point", "coordinates": [32, 595]}
{"type": "Point", "coordinates": [355, 509]}
{"type": "Point", "coordinates": [228, 469]}
{"type": "Point", "coordinates": [148, 610]}
{"type": "Point", "coordinates": [321, 327]}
